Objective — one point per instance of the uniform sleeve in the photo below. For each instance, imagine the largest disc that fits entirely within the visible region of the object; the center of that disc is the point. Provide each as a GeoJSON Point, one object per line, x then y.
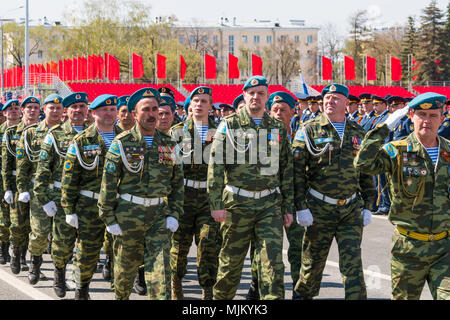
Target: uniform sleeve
{"type": "Point", "coordinates": [216, 169]}
{"type": "Point", "coordinates": [176, 197]}
{"type": "Point", "coordinates": [70, 182]}
{"type": "Point", "coordinates": [7, 165]}
{"type": "Point", "coordinates": [300, 156]}
{"type": "Point", "coordinates": [24, 167]}
{"type": "Point", "coordinates": [287, 176]}
{"type": "Point", "coordinates": [107, 201]}
{"type": "Point", "coordinates": [44, 171]}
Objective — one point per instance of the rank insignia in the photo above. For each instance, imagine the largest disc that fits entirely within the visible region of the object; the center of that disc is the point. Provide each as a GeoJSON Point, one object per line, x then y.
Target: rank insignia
{"type": "Point", "coordinates": [68, 165]}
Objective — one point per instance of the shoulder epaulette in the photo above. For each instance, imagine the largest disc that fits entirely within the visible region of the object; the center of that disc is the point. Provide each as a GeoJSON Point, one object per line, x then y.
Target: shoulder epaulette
{"type": "Point", "coordinates": [399, 143]}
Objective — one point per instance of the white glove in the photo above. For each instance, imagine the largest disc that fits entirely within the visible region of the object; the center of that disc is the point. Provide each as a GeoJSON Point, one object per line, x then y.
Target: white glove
{"type": "Point", "coordinates": [171, 224]}
{"type": "Point", "coordinates": [24, 197]}
{"type": "Point", "coordinates": [304, 218]}
{"type": "Point", "coordinates": [50, 208]}
{"type": "Point", "coordinates": [367, 217]}
{"type": "Point", "coordinates": [72, 220]}
{"type": "Point", "coordinates": [394, 118]}
{"type": "Point", "coordinates": [114, 230]}
{"type": "Point", "coordinates": [9, 197]}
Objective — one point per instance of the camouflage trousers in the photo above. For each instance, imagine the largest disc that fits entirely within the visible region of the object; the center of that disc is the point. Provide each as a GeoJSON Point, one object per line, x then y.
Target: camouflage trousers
{"type": "Point", "coordinates": [91, 234]}
{"type": "Point", "coordinates": [20, 222]}
{"type": "Point", "coordinates": [415, 262]}
{"type": "Point", "coordinates": [145, 238]}
{"type": "Point", "coordinates": [196, 221]}
{"type": "Point", "coordinates": [5, 220]}
{"type": "Point", "coordinates": [246, 220]}
{"type": "Point", "coordinates": [41, 227]}
{"type": "Point", "coordinates": [345, 224]}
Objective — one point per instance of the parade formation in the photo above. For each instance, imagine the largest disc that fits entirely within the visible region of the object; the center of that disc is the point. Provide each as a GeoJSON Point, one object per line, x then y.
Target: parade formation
{"type": "Point", "coordinates": [146, 176]}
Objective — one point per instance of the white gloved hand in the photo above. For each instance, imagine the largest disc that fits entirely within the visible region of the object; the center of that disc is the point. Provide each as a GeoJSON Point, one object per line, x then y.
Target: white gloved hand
{"type": "Point", "coordinates": [24, 197]}
{"type": "Point", "coordinates": [114, 230]}
{"type": "Point", "coordinates": [395, 117]}
{"type": "Point", "coordinates": [50, 208]}
{"type": "Point", "coordinates": [304, 218]}
{"type": "Point", "coordinates": [367, 217]}
{"type": "Point", "coordinates": [9, 197]}
{"type": "Point", "coordinates": [171, 224]}
{"type": "Point", "coordinates": [72, 220]}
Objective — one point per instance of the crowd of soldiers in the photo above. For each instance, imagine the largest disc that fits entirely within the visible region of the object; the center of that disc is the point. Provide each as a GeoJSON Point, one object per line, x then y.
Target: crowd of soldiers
{"type": "Point", "coordinates": [143, 177]}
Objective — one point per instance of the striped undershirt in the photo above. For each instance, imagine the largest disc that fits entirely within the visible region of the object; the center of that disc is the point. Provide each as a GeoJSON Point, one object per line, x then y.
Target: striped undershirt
{"type": "Point", "coordinates": [149, 140]}
{"type": "Point", "coordinates": [257, 121]}
{"type": "Point", "coordinates": [78, 128]}
{"type": "Point", "coordinates": [202, 131]}
{"type": "Point", "coordinates": [107, 137]}
{"type": "Point", "coordinates": [340, 127]}
{"type": "Point", "coordinates": [433, 153]}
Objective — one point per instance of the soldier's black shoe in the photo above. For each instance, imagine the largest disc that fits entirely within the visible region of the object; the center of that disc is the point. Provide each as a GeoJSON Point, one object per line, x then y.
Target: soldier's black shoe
{"type": "Point", "coordinates": [82, 293]}
{"type": "Point", "coordinates": [3, 252]}
{"type": "Point", "coordinates": [8, 257]}
{"type": "Point", "coordinates": [253, 291]}
{"type": "Point", "coordinates": [297, 296]}
{"type": "Point", "coordinates": [35, 271]}
{"type": "Point", "coordinates": [139, 283]}
{"type": "Point", "coordinates": [15, 260]}
{"type": "Point", "coordinates": [106, 272]}
{"type": "Point", "coordinates": [23, 259]}
{"type": "Point", "coordinates": [59, 282]}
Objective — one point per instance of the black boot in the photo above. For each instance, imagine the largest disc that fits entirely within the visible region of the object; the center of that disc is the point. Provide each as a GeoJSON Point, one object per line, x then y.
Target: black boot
{"type": "Point", "coordinates": [253, 291]}
{"type": "Point", "coordinates": [59, 282]}
{"type": "Point", "coordinates": [35, 272]}
{"type": "Point", "coordinates": [15, 260]}
{"type": "Point", "coordinates": [8, 257]}
{"type": "Point", "coordinates": [3, 252]}
{"type": "Point", "coordinates": [23, 259]}
{"type": "Point", "coordinates": [82, 293]}
{"type": "Point", "coordinates": [139, 283]}
{"type": "Point", "coordinates": [107, 269]}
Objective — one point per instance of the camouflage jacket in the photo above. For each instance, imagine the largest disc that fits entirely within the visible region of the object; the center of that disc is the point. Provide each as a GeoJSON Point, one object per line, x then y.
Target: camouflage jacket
{"type": "Point", "coordinates": [331, 173]}
{"type": "Point", "coordinates": [267, 164]}
{"type": "Point", "coordinates": [186, 135]}
{"type": "Point", "coordinates": [10, 140]}
{"type": "Point", "coordinates": [27, 155]}
{"type": "Point", "coordinates": [2, 132]}
{"type": "Point", "coordinates": [83, 171]}
{"type": "Point", "coordinates": [51, 162]}
{"type": "Point", "coordinates": [154, 173]}
{"type": "Point", "coordinates": [418, 189]}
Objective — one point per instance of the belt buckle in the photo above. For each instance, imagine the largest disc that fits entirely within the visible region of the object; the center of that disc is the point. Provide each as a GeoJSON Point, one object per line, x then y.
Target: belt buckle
{"type": "Point", "coordinates": [431, 237]}
{"type": "Point", "coordinates": [147, 202]}
{"type": "Point", "coordinates": [257, 194]}
{"type": "Point", "coordinates": [341, 203]}
{"type": "Point", "coordinates": [197, 184]}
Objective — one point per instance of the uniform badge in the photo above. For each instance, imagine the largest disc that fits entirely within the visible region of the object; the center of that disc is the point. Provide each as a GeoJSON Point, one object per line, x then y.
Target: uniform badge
{"type": "Point", "coordinates": [68, 165]}
{"type": "Point", "coordinates": [201, 91]}
{"type": "Point", "coordinates": [114, 148]}
{"type": "Point", "coordinates": [299, 136]}
{"type": "Point", "coordinates": [254, 82]}
{"type": "Point", "coordinates": [110, 167]}
{"type": "Point", "coordinates": [48, 140]}
{"type": "Point", "coordinates": [391, 150]}
{"type": "Point", "coordinates": [3, 151]}
{"type": "Point", "coordinates": [44, 155]}
{"type": "Point", "coordinates": [72, 151]}
{"type": "Point", "coordinates": [423, 171]}
{"type": "Point", "coordinates": [19, 153]}
{"type": "Point", "coordinates": [297, 153]}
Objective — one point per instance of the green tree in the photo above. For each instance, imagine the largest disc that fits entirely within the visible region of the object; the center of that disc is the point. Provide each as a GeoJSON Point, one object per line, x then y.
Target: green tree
{"type": "Point", "coordinates": [409, 48]}
{"type": "Point", "coordinates": [445, 47]}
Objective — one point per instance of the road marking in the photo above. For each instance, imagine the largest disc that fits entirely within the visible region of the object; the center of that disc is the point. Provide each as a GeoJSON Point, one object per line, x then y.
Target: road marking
{"type": "Point", "coordinates": [23, 287]}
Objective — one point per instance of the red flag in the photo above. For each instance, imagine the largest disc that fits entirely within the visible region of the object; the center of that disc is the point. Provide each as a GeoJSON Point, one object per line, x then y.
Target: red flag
{"type": "Point", "coordinates": [138, 66]}
{"type": "Point", "coordinates": [91, 67]}
{"type": "Point", "coordinates": [327, 68]}
{"type": "Point", "coordinates": [349, 68]}
{"type": "Point", "coordinates": [210, 67]}
{"type": "Point", "coordinates": [160, 66]}
{"type": "Point", "coordinates": [53, 67]}
{"type": "Point", "coordinates": [233, 68]}
{"type": "Point", "coordinates": [183, 67]}
{"type": "Point", "coordinates": [83, 68]}
{"type": "Point", "coordinates": [112, 67]}
{"type": "Point", "coordinates": [371, 68]}
{"type": "Point", "coordinates": [396, 69]}
{"type": "Point", "coordinates": [61, 70]}
{"type": "Point", "coordinates": [76, 69]}
{"type": "Point", "coordinates": [256, 65]}
{"type": "Point", "coordinates": [100, 67]}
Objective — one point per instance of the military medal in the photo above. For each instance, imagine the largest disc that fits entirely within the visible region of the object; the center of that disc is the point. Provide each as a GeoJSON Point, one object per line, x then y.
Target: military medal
{"type": "Point", "coordinates": [423, 172]}
{"type": "Point", "coordinates": [409, 182]}
{"type": "Point", "coordinates": [409, 148]}
{"type": "Point", "coordinates": [445, 155]}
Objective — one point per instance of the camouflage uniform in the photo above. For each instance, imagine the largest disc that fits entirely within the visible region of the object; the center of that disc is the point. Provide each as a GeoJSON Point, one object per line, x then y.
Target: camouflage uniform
{"type": "Point", "coordinates": [343, 220]}
{"type": "Point", "coordinates": [5, 220]}
{"type": "Point", "coordinates": [80, 187]}
{"type": "Point", "coordinates": [420, 202]}
{"type": "Point", "coordinates": [258, 219]}
{"type": "Point", "coordinates": [196, 219]}
{"type": "Point", "coordinates": [124, 199]}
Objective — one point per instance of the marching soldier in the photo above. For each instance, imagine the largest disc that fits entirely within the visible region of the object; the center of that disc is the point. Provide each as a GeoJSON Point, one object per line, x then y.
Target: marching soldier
{"type": "Point", "coordinates": [239, 102]}
{"type": "Point", "coordinates": [418, 171]}
{"type": "Point", "coordinates": [352, 109]}
{"type": "Point", "coordinates": [166, 114]}
{"type": "Point", "coordinates": [369, 113]}
{"type": "Point", "coordinates": [125, 119]}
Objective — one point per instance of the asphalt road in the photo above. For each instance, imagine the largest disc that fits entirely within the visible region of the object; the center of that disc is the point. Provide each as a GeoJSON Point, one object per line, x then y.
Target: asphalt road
{"type": "Point", "coordinates": [376, 263]}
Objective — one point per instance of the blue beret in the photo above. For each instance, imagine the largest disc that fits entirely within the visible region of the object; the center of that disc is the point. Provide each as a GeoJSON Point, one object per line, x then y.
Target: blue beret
{"type": "Point", "coordinates": [236, 101]}
{"type": "Point", "coordinates": [168, 101]}
{"type": "Point", "coordinates": [122, 101]}
{"type": "Point", "coordinates": [377, 99]}
{"type": "Point", "coordinates": [53, 98]}
{"type": "Point", "coordinates": [201, 90]}
{"type": "Point", "coordinates": [30, 99]}
{"type": "Point", "coordinates": [336, 88]}
{"type": "Point", "coordinates": [143, 93]}
{"type": "Point", "coordinates": [103, 100]}
{"type": "Point", "coordinates": [187, 102]}
{"type": "Point", "coordinates": [427, 101]}
{"type": "Point", "coordinates": [75, 97]}
{"type": "Point", "coordinates": [10, 103]}
{"type": "Point", "coordinates": [396, 99]}
{"type": "Point", "coordinates": [280, 96]}
{"type": "Point", "coordinates": [254, 82]}
{"type": "Point", "coordinates": [164, 91]}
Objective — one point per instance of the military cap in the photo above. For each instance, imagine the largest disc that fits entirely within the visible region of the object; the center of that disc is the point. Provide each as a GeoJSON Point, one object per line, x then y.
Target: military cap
{"type": "Point", "coordinates": [395, 99]}
{"type": "Point", "coordinates": [103, 100]}
{"type": "Point", "coordinates": [201, 90]}
{"type": "Point", "coordinates": [312, 99]}
{"type": "Point", "coordinates": [386, 97]}
{"type": "Point", "coordinates": [166, 91]}
{"type": "Point", "coordinates": [53, 98]}
{"type": "Point", "coordinates": [30, 99]}
{"type": "Point", "coordinates": [122, 101]}
{"type": "Point", "coordinates": [377, 99]}
{"type": "Point", "coordinates": [187, 102]}
{"type": "Point", "coordinates": [254, 82]}
{"type": "Point", "coordinates": [75, 98]}
{"type": "Point", "coordinates": [168, 101]}
{"type": "Point", "coordinates": [279, 97]}
{"type": "Point", "coordinates": [428, 101]}
{"type": "Point", "coordinates": [353, 99]}
{"type": "Point", "coordinates": [336, 88]}
{"type": "Point", "coordinates": [142, 94]}
{"type": "Point", "coordinates": [10, 103]}
{"type": "Point", "coordinates": [237, 100]}
{"type": "Point", "coordinates": [226, 105]}
{"type": "Point", "coordinates": [217, 105]}
{"type": "Point", "coordinates": [365, 97]}
{"type": "Point", "coordinates": [301, 96]}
